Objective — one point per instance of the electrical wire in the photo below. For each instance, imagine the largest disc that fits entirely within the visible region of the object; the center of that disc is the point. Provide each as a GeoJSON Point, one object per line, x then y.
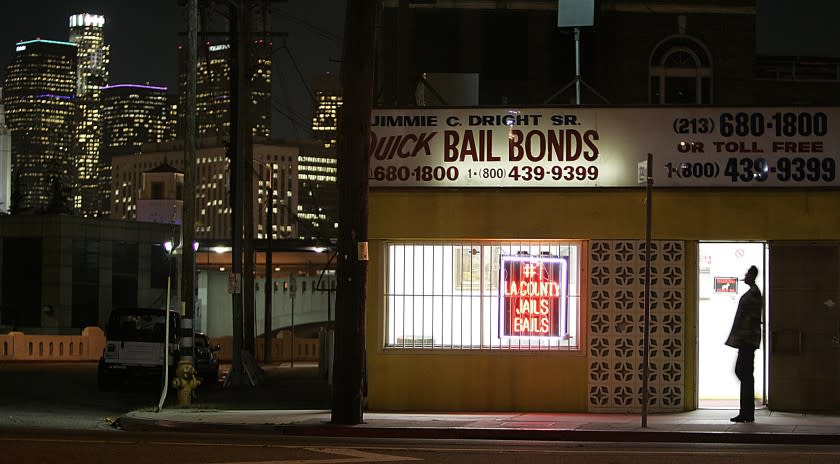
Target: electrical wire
{"type": "Point", "coordinates": [298, 125]}
{"type": "Point", "coordinates": [323, 33]}
{"type": "Point", "coordinates": [300, 74]}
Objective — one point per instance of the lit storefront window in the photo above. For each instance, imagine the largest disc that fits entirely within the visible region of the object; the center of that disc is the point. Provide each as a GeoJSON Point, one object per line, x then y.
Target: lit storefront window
{"type": "Point", "coordinates": [506, 295]}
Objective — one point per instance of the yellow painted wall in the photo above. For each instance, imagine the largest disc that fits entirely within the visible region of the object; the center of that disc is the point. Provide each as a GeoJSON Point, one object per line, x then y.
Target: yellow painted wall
{"type": "Point", "coordinates": [689, 214]}
{"type": "Point", "coordinates": [556, 381]}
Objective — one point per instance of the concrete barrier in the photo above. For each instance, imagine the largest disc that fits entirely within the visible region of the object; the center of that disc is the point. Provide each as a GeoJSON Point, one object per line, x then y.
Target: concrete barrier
{"type": "Point", "coordinates": [306, 349]}
{"type": "Point", "coordinates": [17, 346]}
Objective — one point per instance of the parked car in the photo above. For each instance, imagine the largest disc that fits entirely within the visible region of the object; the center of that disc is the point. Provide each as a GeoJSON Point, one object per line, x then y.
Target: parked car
{"type": "Point", "coordinates": [135, 345]}
{"type": "Point", "coordinates": [206, 360]}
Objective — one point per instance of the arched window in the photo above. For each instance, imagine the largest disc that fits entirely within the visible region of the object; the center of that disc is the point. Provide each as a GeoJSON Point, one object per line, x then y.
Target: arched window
{"type": "Point", "coordinates": [680, 72]}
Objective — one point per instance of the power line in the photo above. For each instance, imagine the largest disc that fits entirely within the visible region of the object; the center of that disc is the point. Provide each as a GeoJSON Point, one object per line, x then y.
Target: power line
{"type": "Point", "coordinates": [311, 27]}
{"type": "Point", "coordinates": [290, 112]}
{"type": "Point", "coordinates": [300, 74]}
{"type": "Point", "coordinates": [296, 124]}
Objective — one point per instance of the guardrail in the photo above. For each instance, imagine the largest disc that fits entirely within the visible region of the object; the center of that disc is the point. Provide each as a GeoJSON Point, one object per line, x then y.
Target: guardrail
{"type": "Point", "coordinates": [17, 346]}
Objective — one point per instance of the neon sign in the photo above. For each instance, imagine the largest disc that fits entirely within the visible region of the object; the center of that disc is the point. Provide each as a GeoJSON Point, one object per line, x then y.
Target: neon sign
{"type": "Point", "coordinates": [533, 293]}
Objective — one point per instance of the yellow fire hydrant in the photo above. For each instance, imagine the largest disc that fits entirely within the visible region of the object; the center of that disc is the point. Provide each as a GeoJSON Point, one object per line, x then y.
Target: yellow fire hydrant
{"type": "Point", "coordinates": [185, 381]}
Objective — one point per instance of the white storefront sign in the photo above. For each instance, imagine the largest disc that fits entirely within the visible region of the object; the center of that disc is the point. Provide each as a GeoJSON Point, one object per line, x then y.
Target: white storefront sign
{"type": "Point", "coordinates": [602, 147]}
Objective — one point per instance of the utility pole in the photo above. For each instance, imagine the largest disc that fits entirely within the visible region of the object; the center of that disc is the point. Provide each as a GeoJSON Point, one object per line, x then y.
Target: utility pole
{"type": "Point", "coordinates": [246, 138]}
{"type": "Point", "coordinates": [188, 219]}
{"type": "Point", "coordinates": [242, 281]}
{"type": "Point", "coordinates": [357, 78]}
{"type": "Point", "coordinates": [237, 66]}
{"type": "Point", "coordinates": [246, 133]}
{"type": "Point", "coordinates": [402, 89]}
{"type": "Point", "coordinates": [269, 266]}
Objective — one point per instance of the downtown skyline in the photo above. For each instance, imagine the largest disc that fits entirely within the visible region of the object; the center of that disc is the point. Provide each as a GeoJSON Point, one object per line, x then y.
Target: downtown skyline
{"type": "Point", "coordinates": [313, 46]}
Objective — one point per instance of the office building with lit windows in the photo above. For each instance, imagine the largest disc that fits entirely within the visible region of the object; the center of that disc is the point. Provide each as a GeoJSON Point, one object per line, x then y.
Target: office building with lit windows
{"type": "Point", "coordinates": [39, 95]}
{"type": "Point", "coordinates": [86, 31]}
{"type": "Point", "coordinates": [275, 166]}
{"type": "Point", "coordinates": [213, 89]}
{"type": "Point", "coordinates": [132, 115]}
{"type": "Point", "coordinates": [317, 211]}
{"type": "Point", "coordinates": [317, 166]}
{"type": "Point", "coordinates": [327, 89]}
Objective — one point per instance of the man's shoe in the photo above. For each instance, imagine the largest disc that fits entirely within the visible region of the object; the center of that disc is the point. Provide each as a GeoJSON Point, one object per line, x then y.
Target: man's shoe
{"type": "Point", "coordinates": [740, 418]}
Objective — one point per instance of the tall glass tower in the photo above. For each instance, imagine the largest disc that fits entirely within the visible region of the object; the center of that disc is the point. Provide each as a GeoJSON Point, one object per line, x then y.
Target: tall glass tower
{"type": "Point", "coordinates": [39, 95]}
{"type": "Point", "coordinates": [86, 31]}
{"type": "Point", "coordinates": [132, 114]}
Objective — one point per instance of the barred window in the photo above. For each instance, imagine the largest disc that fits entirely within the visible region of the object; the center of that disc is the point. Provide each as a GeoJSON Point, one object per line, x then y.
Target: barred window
{"type": "Point", "coordinates": [507, 295]}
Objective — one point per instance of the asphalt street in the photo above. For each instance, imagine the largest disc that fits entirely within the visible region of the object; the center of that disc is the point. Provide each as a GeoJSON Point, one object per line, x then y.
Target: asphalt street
{"type": "Point", "coordinates": [25, 447]}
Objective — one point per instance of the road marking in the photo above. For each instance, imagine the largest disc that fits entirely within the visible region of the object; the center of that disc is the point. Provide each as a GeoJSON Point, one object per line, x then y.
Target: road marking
{"type": "Point", "coordinates": [357, 456]}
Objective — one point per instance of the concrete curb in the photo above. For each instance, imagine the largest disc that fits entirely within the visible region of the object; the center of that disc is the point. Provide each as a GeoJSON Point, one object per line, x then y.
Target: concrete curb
{"type": "Point", "coordinates": [471, 433]}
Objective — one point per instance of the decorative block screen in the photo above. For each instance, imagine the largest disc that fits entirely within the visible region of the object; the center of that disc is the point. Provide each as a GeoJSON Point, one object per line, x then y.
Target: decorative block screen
{"type": "Point", "coordinates": [616, 321]}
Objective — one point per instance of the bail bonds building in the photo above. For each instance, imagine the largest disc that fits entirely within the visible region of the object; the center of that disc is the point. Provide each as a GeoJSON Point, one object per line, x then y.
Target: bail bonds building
{"type": "Point", "coordinates": [508, 256]}
{"type": "Point", "coordinates": [507, 235]}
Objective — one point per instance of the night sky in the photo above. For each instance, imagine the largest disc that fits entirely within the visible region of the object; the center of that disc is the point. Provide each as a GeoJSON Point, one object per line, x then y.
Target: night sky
{"type": "Point", "coordinates": [144, 38]}
{"type": "Point", "coordinates": [798, 28]}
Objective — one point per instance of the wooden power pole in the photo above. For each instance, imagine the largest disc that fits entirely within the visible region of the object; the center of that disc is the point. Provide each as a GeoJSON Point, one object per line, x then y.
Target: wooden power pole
{"type": "Point", "coordinates": [357, 76]}
{"type": "Point", "coordinates": [238, 51]}
{"type": "Point", "coordinates": [188, 283]}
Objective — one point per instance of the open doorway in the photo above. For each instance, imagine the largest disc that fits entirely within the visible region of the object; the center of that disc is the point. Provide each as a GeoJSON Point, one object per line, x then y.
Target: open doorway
{"type": "Point", "coordinates": [721, 267]}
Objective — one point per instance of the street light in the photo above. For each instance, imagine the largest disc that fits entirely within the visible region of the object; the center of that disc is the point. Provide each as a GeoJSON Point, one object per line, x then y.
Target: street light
{"type": "Point", "coordinates": [171, 249]}
{"type": "Point", "coordinates": [169, 246]}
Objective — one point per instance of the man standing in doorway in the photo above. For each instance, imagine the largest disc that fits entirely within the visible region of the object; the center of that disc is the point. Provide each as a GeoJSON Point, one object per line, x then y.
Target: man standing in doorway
{"type": "Point", "coordinates": [746, 337]}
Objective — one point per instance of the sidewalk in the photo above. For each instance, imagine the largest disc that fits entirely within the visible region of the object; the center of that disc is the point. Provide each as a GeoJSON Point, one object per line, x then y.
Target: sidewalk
{"type": "Point", "coordinates": [264, 410]}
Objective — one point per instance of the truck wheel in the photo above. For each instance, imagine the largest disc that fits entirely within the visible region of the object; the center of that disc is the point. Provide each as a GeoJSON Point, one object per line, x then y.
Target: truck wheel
{"type": "Point", "coordinates": [106, 381]}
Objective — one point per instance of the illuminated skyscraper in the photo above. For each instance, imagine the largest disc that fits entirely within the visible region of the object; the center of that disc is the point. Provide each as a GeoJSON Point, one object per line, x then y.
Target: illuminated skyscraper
{"type": "Point", "coordinates": [317, 165]}
{"type": "Point", "coordinates": [39, 95]}
{"type": "Point", "coordinates": [213, 89]}
{"type": "Point", "coordinates": [328, 97]}
{"type": "Point", "coordinates": [132, 115]}
{"type": "Point", "coordinates": [86, 31]}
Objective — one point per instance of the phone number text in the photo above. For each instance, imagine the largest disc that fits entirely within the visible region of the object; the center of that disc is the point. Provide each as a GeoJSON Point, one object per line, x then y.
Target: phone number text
{"type": "Point", "coordinates": [743, 124]}
{"type": "Point", "coordinates": [757, 169]}
{"type": "Point", "coordinates": [452, 173]}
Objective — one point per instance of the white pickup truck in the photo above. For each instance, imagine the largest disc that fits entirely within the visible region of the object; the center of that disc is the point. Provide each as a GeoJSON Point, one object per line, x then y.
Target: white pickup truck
{"type": "Point", "coordinates": [134, 345]}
